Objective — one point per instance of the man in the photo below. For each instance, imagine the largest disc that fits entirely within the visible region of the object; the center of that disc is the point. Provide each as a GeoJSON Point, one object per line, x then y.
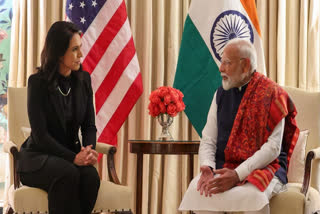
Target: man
{"type": "Point", "coordinates": [247, 141]}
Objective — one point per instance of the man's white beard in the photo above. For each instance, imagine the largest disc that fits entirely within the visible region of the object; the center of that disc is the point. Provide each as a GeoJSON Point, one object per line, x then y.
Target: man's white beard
{"type": "Point", "coordinates": [228, 83]}
{"type": "Point", "coordinates": [232, 82]}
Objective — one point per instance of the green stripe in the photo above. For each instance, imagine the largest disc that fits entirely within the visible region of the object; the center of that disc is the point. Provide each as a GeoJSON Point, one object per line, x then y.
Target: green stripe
{"type": "Point", "coordinates": [197, 75]}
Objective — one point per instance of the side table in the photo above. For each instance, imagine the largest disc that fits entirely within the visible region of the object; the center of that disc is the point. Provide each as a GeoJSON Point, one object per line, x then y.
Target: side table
{"type": "Point", "coordinates": [141, 147]}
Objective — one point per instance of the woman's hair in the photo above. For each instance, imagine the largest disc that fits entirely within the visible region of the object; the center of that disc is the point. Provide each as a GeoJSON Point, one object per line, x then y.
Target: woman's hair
{"type": "Point", "coordinates": [56, 45]}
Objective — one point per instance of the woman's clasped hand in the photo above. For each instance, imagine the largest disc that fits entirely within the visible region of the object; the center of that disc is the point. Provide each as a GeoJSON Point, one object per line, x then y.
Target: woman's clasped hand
{"type": "Point", "coordinates": [87, 156]}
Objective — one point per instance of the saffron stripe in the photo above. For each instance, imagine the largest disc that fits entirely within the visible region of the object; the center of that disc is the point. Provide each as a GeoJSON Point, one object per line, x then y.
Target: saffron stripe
{"type": "Point", "coordinates": [114, 74]}
{"type": "Point", "coordinates": [262, 181]}
{"type": "Point", "coordinates": [123, 109]}
{"type": "Point", "coordinates": [270, 167]}
{"type": "Point", "coordinates": [263, 175]}
{"type": "Point", "coordinates": [105, 38]}
{"type": "Point", "coordinates": [250, 7]}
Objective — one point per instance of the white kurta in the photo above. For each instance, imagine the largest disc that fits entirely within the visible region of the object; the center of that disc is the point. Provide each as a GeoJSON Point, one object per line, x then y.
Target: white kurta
{"type": "Point", "coordinates": [240, 198]}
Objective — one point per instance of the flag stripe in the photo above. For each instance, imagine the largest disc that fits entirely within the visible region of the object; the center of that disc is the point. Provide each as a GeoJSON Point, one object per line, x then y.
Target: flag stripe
{"type": "Point", "coordinates": [105, 38]}
{"type": "Point", "coordinates": [114, 74]}
{"type": "Point", "coordinates": [126, 104]}
{"type": "Point", "coordinates": [210, 24]}
{"type": "Point", "coordinates": [96, 27]}
{"type": "Point", "coordinates": [201, 83]}
{"type": "Point", "coordinates": [117, 94]}
{"type": "Point", "coordinates": [250, 7]}
{"type": "Point", "coordinates": [110, 56]}
{"type": "Point", "coordinates": [204, 22]}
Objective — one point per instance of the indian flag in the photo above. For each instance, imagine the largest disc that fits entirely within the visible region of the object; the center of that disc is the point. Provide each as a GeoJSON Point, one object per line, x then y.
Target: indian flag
{"type": "Point", "coordinates": [209, 25]}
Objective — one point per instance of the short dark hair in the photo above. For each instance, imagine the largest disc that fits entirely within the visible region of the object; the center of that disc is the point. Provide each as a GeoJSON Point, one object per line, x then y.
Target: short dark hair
{"type": "Point", "coordinates": [56, 45]}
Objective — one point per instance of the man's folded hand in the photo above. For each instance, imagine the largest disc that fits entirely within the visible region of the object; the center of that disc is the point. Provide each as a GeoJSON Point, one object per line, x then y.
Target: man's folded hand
{"type": "Point", "coordinates": [206, 175]}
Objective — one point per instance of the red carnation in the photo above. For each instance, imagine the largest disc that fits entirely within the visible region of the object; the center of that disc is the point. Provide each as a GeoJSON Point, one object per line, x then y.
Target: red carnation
{"type": "Point", "coordinates": [165, 100]}
{"type": "Point", "coordinates": [154, 98]}
{"type": "Point", "coordinates": [154, 109]}
{"type": "Point", "coordinates": [172, 110]}
{"type": "Point", "coordinates": [162, 108]}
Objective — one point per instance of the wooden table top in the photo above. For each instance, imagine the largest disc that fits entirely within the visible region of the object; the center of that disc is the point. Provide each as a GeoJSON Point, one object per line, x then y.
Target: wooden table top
{"type": "Point", "coordinates": [166, 142]}
{"type": "Point", "coordinates": [164, 147]}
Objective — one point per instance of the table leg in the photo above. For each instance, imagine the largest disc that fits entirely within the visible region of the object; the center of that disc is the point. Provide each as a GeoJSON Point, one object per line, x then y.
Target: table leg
{"type": "Point", "coordinates": [139, 183]}
{"type": "Point", "coordinates": [191, 167]}
{"type": "Point", "coordinates": [191, 172]}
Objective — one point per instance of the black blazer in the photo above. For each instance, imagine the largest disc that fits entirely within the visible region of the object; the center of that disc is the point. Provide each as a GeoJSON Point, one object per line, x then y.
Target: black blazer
{"type": "Point", "coordinates": [48, 131]}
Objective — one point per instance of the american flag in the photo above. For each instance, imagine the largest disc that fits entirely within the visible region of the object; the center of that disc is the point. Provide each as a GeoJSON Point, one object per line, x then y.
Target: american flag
{"type": "Point", "coordinates": [110, 57]}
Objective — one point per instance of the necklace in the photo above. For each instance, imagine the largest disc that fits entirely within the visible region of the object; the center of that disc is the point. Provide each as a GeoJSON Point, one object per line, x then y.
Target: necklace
{"type": "Point", "coordinates": [63, 94]}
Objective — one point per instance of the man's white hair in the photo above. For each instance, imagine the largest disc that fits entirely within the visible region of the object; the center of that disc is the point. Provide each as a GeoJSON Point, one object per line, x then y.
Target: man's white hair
{"type": "Point", "coordinates": [246, 50]}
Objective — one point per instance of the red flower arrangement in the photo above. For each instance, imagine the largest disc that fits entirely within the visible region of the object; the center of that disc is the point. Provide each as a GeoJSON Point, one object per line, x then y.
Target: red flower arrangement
{"type": "Point", "coordinates": [166, 100]}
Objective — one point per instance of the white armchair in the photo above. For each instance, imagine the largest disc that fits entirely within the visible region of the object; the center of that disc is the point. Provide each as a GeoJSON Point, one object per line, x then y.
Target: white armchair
{"type": "Point", "coordinates": [304, 197]}
{"type": "Point", "coordinates": [112, 197]}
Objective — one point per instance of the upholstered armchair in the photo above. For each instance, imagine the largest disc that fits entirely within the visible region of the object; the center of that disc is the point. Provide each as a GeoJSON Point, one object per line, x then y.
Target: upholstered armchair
{"type": "Point", "coordinates": [304, 196]}
{"type": "Point", "coordinates": [112, 197]}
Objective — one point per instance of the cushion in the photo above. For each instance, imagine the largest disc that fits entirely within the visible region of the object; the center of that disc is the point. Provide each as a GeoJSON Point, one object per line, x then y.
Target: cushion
{"type": "Point", "coordinates": [110, 197]}
{"type": "Point", "coordinates": [28, 199]}
{"type": "Point", "coordinates": [294, 202]}
{"type": "Point", "coordinates": [297, 162]}
{"type": "Point", "coordinates": [113, 197]}
{"type": "Point", "coordinates": [26, 131]}
{"type": "Point", "coordinates": [291, 201]}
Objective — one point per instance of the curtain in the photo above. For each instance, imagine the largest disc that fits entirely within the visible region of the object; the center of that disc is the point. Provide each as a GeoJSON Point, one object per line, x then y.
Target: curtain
{"type": "Point", "coordinates": [157, 28]}
{"type": "Point", "coordinates": [290, 32]}
{"type": "Point", "coordinates": [31, 21]}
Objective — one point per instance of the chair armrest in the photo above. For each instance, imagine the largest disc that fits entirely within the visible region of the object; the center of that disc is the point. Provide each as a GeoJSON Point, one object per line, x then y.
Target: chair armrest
{"type": "Point", "coordinates": [26, 131]}
{"type": "Point", "coordinates": [312, 154]}
{"type": "Point", "coordinates": [109, 151]}
{"type": "Point", "coordinates": [8, 145]}
{"type": "Point", "coordinates": [316, 153]}
{"type": "Point", "coordinates": [12, 149]}
{"type": "Point", "coordinates": [103, 148]}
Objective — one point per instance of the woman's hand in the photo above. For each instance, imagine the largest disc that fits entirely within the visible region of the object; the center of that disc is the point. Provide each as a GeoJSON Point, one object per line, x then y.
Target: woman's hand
{"type": "Point", "coordinates": [92, 156]}
{"type": "Point", "coordinates": [87, 156]}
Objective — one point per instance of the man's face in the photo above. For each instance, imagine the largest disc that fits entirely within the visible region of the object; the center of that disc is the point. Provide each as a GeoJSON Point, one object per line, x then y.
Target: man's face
{"type": "Point", "coordinates": [232, 71]}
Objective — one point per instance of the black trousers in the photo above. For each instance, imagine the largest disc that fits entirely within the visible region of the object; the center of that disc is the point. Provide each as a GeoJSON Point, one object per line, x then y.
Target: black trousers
{"type": "Point", "coordinates": [71, 189]}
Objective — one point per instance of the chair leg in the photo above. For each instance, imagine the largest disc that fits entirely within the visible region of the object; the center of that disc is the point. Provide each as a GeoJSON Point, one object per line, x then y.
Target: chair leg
{"type": "Point", "coordinates": [9, 210]}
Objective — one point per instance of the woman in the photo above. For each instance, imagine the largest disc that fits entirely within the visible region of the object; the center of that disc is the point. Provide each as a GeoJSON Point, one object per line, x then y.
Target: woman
{"type": "Point", "coordinates": [60, 102]}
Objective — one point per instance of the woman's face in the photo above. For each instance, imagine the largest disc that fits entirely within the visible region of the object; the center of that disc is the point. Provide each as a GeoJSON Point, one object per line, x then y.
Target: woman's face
{"type": "Point", "coordinates": [71, 59]}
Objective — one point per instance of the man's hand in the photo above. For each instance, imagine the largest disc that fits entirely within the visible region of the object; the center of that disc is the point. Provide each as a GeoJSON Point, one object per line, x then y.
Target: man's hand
{"type": "Point", "coordinates": [228, 178]}
{"type": "Point", "coordinates": [206, 175]}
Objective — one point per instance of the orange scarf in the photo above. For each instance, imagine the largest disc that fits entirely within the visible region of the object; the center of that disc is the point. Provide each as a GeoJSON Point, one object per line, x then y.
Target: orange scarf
{"type": "Point", "coordinates": [262, 107]}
